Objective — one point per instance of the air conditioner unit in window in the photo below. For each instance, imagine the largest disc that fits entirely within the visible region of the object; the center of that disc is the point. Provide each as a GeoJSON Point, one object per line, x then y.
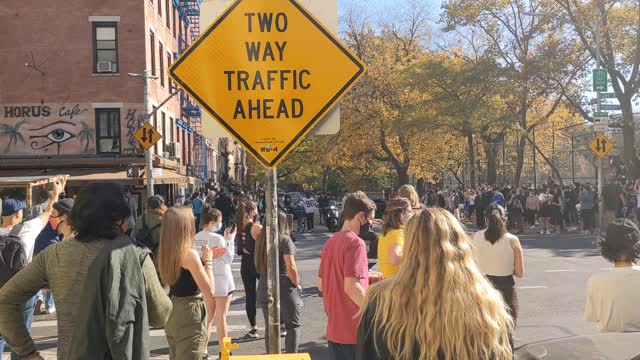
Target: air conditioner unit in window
{"type": "Point", "coordinates": [104, 66]}
{"type": "Point", "coordinates": [174, 150]}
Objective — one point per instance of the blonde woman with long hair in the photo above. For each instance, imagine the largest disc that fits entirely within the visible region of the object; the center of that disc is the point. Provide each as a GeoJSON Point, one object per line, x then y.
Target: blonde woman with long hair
{"type": "Point", "coordinates": [409, 192]}
{"type": "Point", "coordinates": [191, 282]}
{"type": "Point", "coordinates": [438, 305]}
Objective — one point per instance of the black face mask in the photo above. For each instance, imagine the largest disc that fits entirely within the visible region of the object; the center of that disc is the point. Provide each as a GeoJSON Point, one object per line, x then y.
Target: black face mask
{"type": "Point", "coordinates": [364, 228]}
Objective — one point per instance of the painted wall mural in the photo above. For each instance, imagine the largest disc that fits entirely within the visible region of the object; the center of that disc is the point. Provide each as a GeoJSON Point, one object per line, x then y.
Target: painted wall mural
{"type": "Point", "coordinates": [44, 129]}
{"type": "Point", "coordinates": [47, 129]}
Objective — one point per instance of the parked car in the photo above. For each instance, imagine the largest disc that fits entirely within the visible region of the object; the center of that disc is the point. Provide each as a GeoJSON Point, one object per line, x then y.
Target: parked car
{"type": "Point", "coordinates": [614, 346]}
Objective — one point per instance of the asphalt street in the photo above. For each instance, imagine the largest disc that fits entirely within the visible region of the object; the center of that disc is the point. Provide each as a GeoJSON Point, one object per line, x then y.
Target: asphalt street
{"type": "Point", "coordinates": [551, 297]}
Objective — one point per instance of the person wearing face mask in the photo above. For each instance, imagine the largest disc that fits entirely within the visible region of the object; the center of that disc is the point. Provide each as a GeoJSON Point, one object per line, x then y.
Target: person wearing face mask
{"type": "Point", "coordinates": [224, 285]}
{"type": "Point", "coordinates": [121, 293]}
{"type": "Point", "coordinates": [397, 213]}
{"type": "Point", "coordinates": [57, 228]}
{"type": "Point", "coordinates": [343, 277]}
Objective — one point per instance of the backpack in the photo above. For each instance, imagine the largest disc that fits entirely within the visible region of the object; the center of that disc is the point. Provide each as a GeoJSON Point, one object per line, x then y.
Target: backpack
{"type": "Point", "coordinates": [144, 236]}
{"type": "Point", "coordinates": [13, 257]}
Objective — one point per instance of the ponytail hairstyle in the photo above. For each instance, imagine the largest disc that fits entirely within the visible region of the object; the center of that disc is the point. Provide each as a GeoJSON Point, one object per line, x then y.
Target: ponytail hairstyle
{"type": "Point", "coordinates": [496, 223]}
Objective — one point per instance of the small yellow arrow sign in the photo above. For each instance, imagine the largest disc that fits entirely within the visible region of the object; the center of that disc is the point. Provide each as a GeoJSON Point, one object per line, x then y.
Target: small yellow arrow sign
{"type": "Point", "coordinates": [147, 136]}
{"type": "Point", "coordinates": [601, 145]}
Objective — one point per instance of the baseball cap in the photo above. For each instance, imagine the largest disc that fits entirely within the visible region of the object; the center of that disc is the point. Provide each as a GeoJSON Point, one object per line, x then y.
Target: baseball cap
{"type": "Point", "coordinates": [154, 202]}
{"type": "Point", "coordinates": [12, 206]}
{"type": "Point", "coordinates": [64, 206]}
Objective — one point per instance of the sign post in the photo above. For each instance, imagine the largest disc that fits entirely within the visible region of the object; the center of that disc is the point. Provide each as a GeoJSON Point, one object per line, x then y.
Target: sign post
{"type": "Point", "coordinates": [267, 72]}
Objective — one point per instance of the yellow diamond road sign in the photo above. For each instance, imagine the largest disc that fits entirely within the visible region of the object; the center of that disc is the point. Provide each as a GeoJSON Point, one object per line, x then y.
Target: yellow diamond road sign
{"type": "Point", "coordinates": [267, 71]}
{"type": "Point", "coordinates": [601, 145]}
{"type": "Point", "coordinates": [147, 136]}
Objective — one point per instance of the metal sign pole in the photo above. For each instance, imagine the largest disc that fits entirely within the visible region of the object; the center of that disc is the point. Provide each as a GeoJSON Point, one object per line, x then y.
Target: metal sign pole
{"type": "Point", "coordinates": [601, 222]}
{"type": "Point", "coordinates": [273, 278]}
{"type": "Point", "coordinates": [147, 153]}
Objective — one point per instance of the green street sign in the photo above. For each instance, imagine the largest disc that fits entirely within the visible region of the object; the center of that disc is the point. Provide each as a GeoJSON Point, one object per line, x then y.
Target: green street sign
{"type": "Point", "coordinates": [610, 107]}
{"type": "Point", "coordinates": [601, 114]}
{"type": "Point", "coordinates": [600, 80]}
{"type": "Point", "coordinates": [608, 96]}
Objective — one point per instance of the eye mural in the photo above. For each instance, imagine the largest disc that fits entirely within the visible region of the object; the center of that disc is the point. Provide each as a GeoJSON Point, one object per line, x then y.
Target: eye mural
{"type": "Point", "coordinates": [53, 134]}
{"type": "Point", "coordinates": [47, 129]}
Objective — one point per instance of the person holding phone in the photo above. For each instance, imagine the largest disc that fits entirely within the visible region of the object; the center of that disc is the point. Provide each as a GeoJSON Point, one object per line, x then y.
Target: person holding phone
{"type": "Point", "coordinates": [224, 285]}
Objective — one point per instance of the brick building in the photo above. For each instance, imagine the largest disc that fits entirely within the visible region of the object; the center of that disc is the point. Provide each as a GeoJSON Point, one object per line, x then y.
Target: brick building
{"type": "Point", "coordinates": [70, 105]}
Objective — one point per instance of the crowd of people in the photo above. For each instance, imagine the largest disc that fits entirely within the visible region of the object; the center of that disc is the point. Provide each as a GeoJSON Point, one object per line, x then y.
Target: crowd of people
{"type": "Point", "coordinates": [549, 208]}
{"type": "Point", "coordinates": [444, 293]}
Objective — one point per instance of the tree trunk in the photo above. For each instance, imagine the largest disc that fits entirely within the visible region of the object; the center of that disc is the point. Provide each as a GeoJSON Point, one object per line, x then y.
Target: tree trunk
{"type": "Point", "coordinates": [472, 157]}
{"type": "Point", "coordinates": [491, 153]}
{"type": "Point", "coordinates": [629, 147]}
{"type": "Point", "coordinates": [325, 177]}
{"type": "Point", "coordinates": [520, 160]}
{"type": "Point", "coordinates": [403, 175]}
{"type": "Point", "coordinates": [521, 148]}
{"type": "Point", "coordinates": [554, 169]}
{"type": "Point", "coordinates": [455, 175]}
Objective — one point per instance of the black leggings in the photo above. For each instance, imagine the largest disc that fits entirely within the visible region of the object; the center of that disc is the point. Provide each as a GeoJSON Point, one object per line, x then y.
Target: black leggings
{"type": "Point", "coordinates": [250, 281]}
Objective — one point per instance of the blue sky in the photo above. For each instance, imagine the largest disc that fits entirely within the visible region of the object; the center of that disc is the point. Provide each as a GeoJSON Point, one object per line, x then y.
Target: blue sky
{"type": "Point", "coordinates": [380, 6]}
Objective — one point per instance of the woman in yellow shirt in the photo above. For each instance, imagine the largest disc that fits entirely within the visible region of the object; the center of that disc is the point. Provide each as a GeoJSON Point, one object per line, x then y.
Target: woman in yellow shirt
{"type": "Point", "coordinates": [396, 215]}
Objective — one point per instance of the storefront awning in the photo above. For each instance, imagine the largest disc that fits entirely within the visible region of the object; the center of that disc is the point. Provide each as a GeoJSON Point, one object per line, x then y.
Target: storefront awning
{"type": "Point", "coordinates": [118, 175]}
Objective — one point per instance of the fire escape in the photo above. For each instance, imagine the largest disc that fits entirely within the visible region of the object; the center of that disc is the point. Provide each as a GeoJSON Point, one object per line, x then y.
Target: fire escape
{"type": "Point", "coordinates": [191, 10]}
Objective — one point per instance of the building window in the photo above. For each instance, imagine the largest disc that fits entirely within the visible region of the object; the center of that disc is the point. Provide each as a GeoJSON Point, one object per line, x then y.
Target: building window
{"type": "Point", "coordinates": [184, 148]}
{"type": "Point", "coordinates": [168, 78]}
{"type": "Point", "coordinates": [108, 131]}
{"type": "Point", "coordinates": [175, 24]}
{"type": "Point", "coordinates": [171, 129]}
{"type": "Point", "coordinates": [190, 147]}
{"type": "Point", "coordinates": [161, 58]}
{"type": "Point", "coordinates": [155, 125]}
{"type": "Point", "coordinates": [105, 47]}
{"type": "Point", "coordinates": [160, 8]}
{"type": "Point", "coordinates": [152, 43]}
{"type": "Point", "coordinates": [163, 132]}
{"type": "Point", "coordinates": [167, 13]}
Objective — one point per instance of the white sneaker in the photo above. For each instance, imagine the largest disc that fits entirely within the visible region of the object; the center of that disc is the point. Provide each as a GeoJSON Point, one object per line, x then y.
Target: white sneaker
{"type": "Point", "coordinates": [541, 232]}
{"type": "Point", "coordinates": [253, 334]}
{"type": "Point", "coordinates": [548, 232]}
{"type": "Point", "coordinates": [50, 310]}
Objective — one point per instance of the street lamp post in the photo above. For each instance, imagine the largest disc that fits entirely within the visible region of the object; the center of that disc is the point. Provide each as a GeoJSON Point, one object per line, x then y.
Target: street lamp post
{"type": "Point", "coordinates": [147, 118]}
{"type": "Point", "coordinates": [600, 161]}
{"type": "Point", "coordinates": [535, 168]}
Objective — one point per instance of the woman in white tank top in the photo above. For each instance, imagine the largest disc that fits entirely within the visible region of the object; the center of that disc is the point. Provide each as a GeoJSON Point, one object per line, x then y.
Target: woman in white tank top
{"type": "Point", "coordinates": [498, 255]}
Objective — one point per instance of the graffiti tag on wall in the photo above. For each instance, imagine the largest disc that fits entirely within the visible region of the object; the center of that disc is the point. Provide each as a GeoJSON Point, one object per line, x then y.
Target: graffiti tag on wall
{"type": "Point", "coordinates": [134, 120]}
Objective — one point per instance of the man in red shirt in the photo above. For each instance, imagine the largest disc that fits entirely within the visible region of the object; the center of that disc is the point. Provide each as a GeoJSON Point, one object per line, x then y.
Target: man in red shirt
{"type": "Point", "coordinates": [344, 277]}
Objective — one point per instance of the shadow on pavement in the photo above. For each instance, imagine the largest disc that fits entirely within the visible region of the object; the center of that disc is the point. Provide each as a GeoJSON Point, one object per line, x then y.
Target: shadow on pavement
{"type": "Point", "coordinates": [563, 245]}
{"type": "Point", "coordinates": [317, 351]}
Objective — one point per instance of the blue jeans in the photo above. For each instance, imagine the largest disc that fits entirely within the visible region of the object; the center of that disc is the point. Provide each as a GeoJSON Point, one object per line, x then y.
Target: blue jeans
{"type": "Point", "coordinates": [46, 296]}
{"type": "Point", "coordinates": [28, 318]}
